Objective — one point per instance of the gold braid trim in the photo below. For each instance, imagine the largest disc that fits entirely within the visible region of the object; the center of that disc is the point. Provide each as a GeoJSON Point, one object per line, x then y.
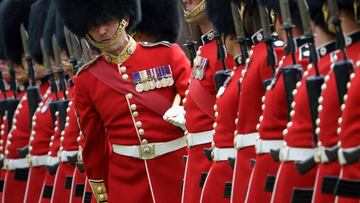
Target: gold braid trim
{"type": "Point", "coordinates": [113, 40]}
{"type": "Point", "coordinates": [196, 11]}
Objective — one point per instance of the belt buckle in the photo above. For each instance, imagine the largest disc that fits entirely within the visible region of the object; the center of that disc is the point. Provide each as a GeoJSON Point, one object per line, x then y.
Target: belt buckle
{"type": "Point", "coordinates": [258, 146]}
{"type": "Point", "coordinates": [29, 159]}
{"type": "Point", "coordinates": [146, 151]}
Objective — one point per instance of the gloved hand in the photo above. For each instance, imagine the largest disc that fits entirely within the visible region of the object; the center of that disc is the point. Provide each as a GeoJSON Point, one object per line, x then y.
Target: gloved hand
{"type": "Point", "coordinates": [176, 116]}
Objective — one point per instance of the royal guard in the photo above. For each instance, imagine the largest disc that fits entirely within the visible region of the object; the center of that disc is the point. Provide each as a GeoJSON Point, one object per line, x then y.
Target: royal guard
{"type": "Point", "coordinates": [347, 189]}
{"type": "Point", "coordinates": [258, 72]}
{"type": "Point", "coordinates": [332, 97]}
{"type": "Point", "coordinates": [42, 125]}
{"type": "Point", "coordinates": [217, 185]}
{"type": "Point", "coordinates": [53, 38]}
{"type": "Point", "coordinates": [200, 99]}
{"type": "Point", "coordinates": [277, 100]}
{"type": "Point", "coordinates": [299, 135]}
{"type": "Point", "coordinates": [15, 13]}
{"type": "Point", "coordinates": [130, 154]}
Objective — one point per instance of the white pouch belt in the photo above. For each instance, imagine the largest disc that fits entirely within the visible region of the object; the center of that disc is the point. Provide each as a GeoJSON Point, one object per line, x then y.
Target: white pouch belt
{"type": "Point", "coordinates": [149, 150]}
{"type": "Point", "coordinates": [264, 146]}
{"type": "Point", "coordinates": [295, 154]}
{"type": "Point", "coordinates": [13, 164]}
{"type": "Point", "coordinates": [222, 154]}
{"type": "Point", "coordinates": [35, 161]}
{"type": "Point", "coordinates": [341, 157]}
{"type": "Point", "coordinates": [65, 154]}
{"type": "Point", "coordinates": [194, 139]}
{"type": "Point", "coordinates": [51, 161]}
{"type": "Point", "coordinates": [245, 140]}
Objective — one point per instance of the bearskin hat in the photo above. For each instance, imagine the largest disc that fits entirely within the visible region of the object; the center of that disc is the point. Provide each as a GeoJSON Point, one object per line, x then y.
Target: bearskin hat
{"type": "Point", "coordinates": [219, 13]}
{"type": "Point", "coordinates": [36, 27]}
{"type": "Point", "coordinates": [316, 14]}
{"type": "Point", "coordinates": [294, 10]}
{"type": "Point", "coordinates": [2, 52]}
{"type": "Point", "coordinates": [80, 15]}
{"type": "Point", "coordinates": [160, 18]}
{"type": "Point", "coordinates": [59, 31]}
{"type": "Point", "coordinates": [13, 13]}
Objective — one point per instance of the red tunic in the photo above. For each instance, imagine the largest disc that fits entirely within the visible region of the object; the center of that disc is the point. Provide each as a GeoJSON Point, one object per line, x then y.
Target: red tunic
{"type": "Point", "coordinates": [69, 144]}
{"type": "Point", "coordinates": [349, 136]}
{"type": "Point", "coordinates": [249, 111]}
{"type": "Point", "coordinates": [220, 172]}
{"type": "Point", "coordinates": [197, 164]}
{"type": "Point", "coordinates": [299, 134]}
{"type": "Point", "coordinates": [275, 117]}
{"type": "Point", "coordinates": [328, 136]}
{"type": "Point", "coordinates": [4, 133]}
{"type": "Point", "coordinates": [42, 130]}
{"type": "Point", "coordinates": [18, 138]}
{"type": "Point", "coordinates": [106, 118]}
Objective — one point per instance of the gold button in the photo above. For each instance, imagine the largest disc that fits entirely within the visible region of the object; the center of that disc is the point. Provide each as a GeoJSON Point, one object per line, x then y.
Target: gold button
{"type": "Point", "coordinates": [144, 142]}
{"type": "Point", "coordinates": [215, 107]}
{"type": "Point", "coordinates": [141, 131]}
{"type": "Point", "coordinates": [101, 197]}
{"type": "Point", "coordinates": [133, 107]}
{"type": "Point", "coordinates": [129, 96]}
{"type": "Point", "coordinates": [186, 92]}
{"type": "Point", "coordinates": [99, 190]}
{"type": "Point", "coordinates": [125, 77]}
{"type": "Point", "coordinates": [122, 69]}
{"type": "Point", "coordinates": [138, 124]}
{"type": "Point", "coordinates": [51, 144]}
{"type": "Point", "coordinates": [135, 114]}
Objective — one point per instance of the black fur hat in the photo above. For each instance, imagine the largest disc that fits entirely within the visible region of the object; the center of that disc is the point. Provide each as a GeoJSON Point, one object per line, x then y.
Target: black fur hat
{"type": "Point", "coordinates": [316, 13]}
{"type": "Point", "coordinates": [13, 13]}
{"type": "Point", "coordinates": [219, 13]}
{"type": "Point", "coordinates": [2, 52]}
{"type": "Point", "coordinates": [294, 10]}
{"type": "Point", "coordinates": [80, 15]}
{"type": "Point", "coordinates": [160, 18]}
{"type": "Point", "coordinates": [36, 27]}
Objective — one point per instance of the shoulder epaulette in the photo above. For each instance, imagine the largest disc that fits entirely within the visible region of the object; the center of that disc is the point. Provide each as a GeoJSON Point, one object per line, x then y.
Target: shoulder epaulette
{"type": "Point", "coordinates": [154, 44]}
{"type": "Point", "coordinates": [88, 64]}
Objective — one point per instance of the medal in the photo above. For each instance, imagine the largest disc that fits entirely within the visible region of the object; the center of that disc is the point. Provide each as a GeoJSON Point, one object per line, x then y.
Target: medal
{"type": "Point", "coordinates": [139, 87]}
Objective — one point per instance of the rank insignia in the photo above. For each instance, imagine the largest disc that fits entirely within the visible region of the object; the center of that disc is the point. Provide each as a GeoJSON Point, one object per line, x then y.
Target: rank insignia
{"type": "Point", "coordinates": [153, 78]}
{"type": "Point", "coordinates": [200, 65]}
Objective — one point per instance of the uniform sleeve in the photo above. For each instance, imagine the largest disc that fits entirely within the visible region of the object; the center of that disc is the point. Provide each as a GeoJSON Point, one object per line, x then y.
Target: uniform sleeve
{"type": "Point", "coordinates": [181, 69]}
{"type": "Point", "coordinates": [95, 152]}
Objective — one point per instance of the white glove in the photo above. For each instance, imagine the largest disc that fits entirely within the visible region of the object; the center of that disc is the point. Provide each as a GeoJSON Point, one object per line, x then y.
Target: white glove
{"type": "Point", "coordinates": [176, 116]}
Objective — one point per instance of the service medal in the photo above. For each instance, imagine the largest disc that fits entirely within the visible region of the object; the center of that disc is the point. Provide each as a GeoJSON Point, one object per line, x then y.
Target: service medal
{"type": "Point", "coordinates": [139, 87]}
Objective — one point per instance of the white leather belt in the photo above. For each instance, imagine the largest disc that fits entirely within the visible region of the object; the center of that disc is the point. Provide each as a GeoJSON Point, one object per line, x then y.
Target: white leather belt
{"type": "Point", "coordinates": [245, 140]}
{"type": "Point", "coordinates": [35, 161]}
{"type": "Point", "coordinates": [295, 154]}
{"type": "Point", "coordinates": [66, 154]}
{"type": "Point", "coordinates": [51, 161]}
{"type": "Point", "coordinates": [264, 146]}
{"type": "Point", "coordinates": [222, 154]}
{"type": "Point", "coordinates": [147, 151]}
{"type": "Point", "coordinates": [341, 157]}
{"type": "Point", "coordinates": [194, 139]}
{"type": "Point", "coordinates": [13, 164]}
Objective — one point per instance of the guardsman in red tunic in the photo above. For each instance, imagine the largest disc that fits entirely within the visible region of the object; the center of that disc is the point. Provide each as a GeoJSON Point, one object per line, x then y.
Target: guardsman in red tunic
{"type": "Point", "coordinates": [54, 40]}
{"type": "Point", "coordinates": [276, 103]}
{"type": "Point", "coordinates": [217, 186]}
{"type": "Point", "coordinates": [131, 154]}
{"type": "Point", "coordinates": [42, 125]}
{"type": "Point", "coordinates": [15, 13]}
{"type": "Point", "coordinates": [330, 103]}
{"type": "Point", "coordinates": [348, 184]}
{"type": "Point", "coordinates": [257, 76]}
{"type": "Point", "coordinates": [200, 99]}
{"type": "Point", "coordinates": [299, 137]}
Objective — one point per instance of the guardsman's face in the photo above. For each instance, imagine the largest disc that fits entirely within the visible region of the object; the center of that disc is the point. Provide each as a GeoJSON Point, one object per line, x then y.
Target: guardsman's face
{"type": "Point", "coordinates": [104, 32]}
{"type": "Point", "coordinates": [21, 74]}
{"type": "Point", "coordinates": [4, 69]}
{"type": "Point", "coordinates": [190, 5]}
